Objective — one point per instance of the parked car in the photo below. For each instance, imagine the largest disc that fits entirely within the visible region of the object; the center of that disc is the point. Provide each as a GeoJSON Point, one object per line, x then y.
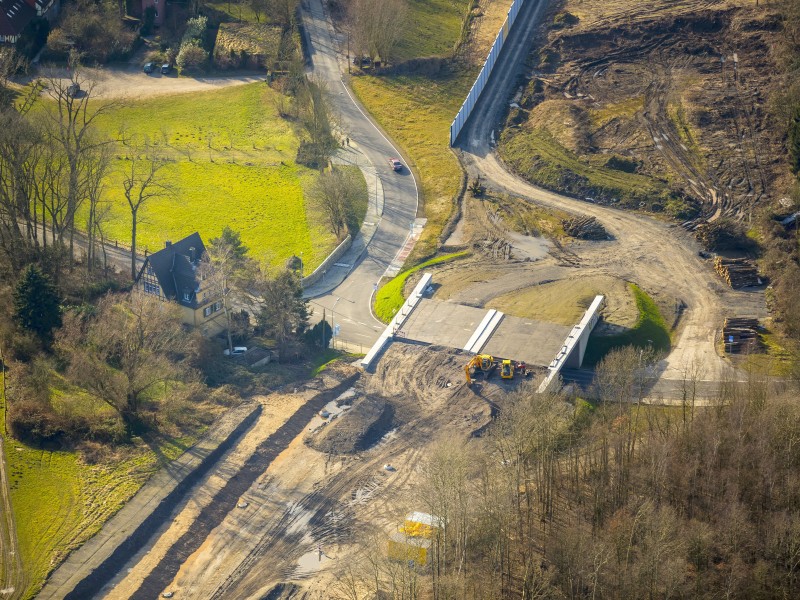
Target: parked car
{"type": "Point", "coordinates": [149, 67]}
{"type": "Point", "coordinates": [395, 164]}
{"type": "Point", "coordinates": [166, 68]}
{"type": "Point", "coordinates": [237, 351]}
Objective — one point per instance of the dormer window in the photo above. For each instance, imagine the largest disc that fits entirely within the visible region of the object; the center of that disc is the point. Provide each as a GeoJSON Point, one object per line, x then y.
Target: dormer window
{"type": "Point", "coordinates": [187, 296]}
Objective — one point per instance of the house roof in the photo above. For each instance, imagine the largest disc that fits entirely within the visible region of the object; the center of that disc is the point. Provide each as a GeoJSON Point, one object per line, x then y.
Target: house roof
{"type": "Point", "coordinates": [14, 16]}
{"type": "Point", "coordinates": [175, 267]}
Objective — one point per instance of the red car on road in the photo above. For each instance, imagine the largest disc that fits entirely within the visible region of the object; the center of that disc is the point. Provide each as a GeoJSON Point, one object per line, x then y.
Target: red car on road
{"type": "Point", "coordinates": [395, 164]}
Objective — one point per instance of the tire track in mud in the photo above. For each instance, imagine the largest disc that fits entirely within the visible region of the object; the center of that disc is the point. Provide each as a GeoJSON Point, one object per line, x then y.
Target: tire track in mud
{"type": "Point", "coordinates": [219, 507]}
{"type": "Point", "coordinates": [345, 495]}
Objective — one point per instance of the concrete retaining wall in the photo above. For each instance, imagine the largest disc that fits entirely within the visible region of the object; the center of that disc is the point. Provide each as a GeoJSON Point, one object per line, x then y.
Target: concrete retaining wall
{"type": "Point", "coordinates": [320, 271]}
{"type": "Point", "coordinates": [574, 348]}
{"type": "Point", "coordinates": [397, 322]}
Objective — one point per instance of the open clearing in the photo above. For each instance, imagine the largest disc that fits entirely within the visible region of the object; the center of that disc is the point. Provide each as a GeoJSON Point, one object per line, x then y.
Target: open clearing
{"type": "Point", "coordinates": [303, 498]}
{"type": "Point", "coordinates": [658, 105]}
{"type": "Point", "coordinates": [233, 165]}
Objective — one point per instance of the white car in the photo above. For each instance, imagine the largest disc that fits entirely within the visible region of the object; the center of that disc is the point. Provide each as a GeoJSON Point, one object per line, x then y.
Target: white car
{"type": "Point", "coordinates": [237, 351]}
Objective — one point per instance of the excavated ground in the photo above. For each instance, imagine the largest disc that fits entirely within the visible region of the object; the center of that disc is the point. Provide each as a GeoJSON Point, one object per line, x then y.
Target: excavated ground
{"type": "Point", "coordinates": [676, 90]}
{"type": "Point", "coordinates": [253, 528]}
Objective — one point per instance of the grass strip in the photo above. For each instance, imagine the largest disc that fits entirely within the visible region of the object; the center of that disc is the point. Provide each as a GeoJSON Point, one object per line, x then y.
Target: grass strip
{"type": "Point", "coordinates": [389, 298]}
{"type": "Point", "coordinates": [650, 330]}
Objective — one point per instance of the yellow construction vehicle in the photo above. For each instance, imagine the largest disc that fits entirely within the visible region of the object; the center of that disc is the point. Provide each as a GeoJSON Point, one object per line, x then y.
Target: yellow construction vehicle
{"type": "Point", "coordinates": [507, 369]}
{"type": "Point", "coordinates": [483, 363]}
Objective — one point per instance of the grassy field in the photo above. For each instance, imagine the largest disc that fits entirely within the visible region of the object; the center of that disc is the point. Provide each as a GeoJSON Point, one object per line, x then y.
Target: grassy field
{"type": "Point", "coordinates": [565, 301]}
{"type": "Point", "coordinates": [60, 502]}
{"type": "Point", "coordinates": [436, 26]}
{"type": "Point", "coordinates": [417, 110]}
{"type": "Point", "coordinates": [541, 159]}
{"type": "Point", "coordinates": [390, 298]}
{"type": "Point", "coordinates": [233, 164]}
{"type": "Point", "coordinates": [650, 330]}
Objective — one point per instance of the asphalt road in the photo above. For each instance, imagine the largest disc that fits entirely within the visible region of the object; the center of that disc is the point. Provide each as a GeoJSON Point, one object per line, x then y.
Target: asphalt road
{"type": "Point", "coordinates": [351, 300]}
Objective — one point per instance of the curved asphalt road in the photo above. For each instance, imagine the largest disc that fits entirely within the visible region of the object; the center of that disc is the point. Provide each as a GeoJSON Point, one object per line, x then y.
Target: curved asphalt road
{"type": "Point", "coordinates": [352, 297]}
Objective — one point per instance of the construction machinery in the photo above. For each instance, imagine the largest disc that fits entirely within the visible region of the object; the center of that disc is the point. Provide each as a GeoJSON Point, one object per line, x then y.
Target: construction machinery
{"type": "Point", "coordinates": [507, 369]}
{"type": "Point", "coordinates": [480, 363]}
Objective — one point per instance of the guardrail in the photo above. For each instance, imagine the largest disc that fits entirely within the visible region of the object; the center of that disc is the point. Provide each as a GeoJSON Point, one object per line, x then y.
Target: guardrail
{"type": "Point", "coordinates": [483, 77]}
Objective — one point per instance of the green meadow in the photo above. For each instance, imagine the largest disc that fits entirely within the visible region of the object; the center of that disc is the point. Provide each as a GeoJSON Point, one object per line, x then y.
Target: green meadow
{"type": "Point", "coordinates": [232, 163]}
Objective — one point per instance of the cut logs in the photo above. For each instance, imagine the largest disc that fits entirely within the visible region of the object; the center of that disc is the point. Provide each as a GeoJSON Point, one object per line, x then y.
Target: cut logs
{"type": "Point", "coordinates": [584, 228]}
{"type": "Point", "coordinates": [740, 335]}
{"type": "Point", "coordinates": [737, 272]}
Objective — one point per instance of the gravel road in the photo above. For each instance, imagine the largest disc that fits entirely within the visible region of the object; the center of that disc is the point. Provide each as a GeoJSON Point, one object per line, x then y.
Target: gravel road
{"type": "Point", "coordinates": [658, 256]}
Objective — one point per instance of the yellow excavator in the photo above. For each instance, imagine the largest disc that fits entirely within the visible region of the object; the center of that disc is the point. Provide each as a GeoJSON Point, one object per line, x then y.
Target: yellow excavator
{"type": "Point", "coordinates": [483, 363]}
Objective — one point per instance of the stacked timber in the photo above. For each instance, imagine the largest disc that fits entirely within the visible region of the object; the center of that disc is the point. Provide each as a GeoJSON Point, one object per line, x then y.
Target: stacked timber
{"type": "Point", "coordinates": [584, 228]}
{"type": "Point", "coordinates": [740, 335]}
{"type": "Point", "coordinates": [737, 272]}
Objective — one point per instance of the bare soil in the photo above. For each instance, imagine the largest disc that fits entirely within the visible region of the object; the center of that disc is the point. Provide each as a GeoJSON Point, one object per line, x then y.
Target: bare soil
{"type": "Point", "coordinates": [131, 83]}
{"type": "Point", "coordinates": [266, 540]}
{"type": "Point", "coordinates": [677, 88]}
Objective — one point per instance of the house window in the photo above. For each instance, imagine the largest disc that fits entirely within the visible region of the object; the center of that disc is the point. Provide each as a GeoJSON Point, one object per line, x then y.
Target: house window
{"type": "Point", "coordinates": [212, 308]}
{"type": "Point", "coordinates": [156, 14]}
{"type": "Point", "coordinates": [151, 288]}
{"type": "Point", "coordinates": [149, 270]}
{"type": "Point", "coordinates": [187, 296]}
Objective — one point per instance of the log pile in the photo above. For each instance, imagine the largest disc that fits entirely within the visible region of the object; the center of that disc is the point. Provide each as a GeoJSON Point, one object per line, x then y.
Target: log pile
{"type": "Point", "coordinates": [584, 228]}
{"type": "Point", "coordinates": [740, 335]}
{"type": "Point", "coordinates": [737, 272]}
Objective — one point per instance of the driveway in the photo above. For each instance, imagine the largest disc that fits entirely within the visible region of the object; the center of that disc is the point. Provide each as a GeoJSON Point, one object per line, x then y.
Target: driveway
{"type": "Point", "coordinates": [120, 82]}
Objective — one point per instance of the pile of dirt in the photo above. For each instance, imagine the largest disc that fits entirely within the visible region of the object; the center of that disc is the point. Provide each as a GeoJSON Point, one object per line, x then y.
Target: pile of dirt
{"type": "Point", "coordinates": [358, 428]}
{"type": "Point", "coordinates": [286, 591]}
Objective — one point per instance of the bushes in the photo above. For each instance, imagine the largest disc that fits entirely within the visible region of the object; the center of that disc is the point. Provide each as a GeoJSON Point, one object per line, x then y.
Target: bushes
{"type": "Point", "coordinates": [93, 29]}
{"type": "Point", "coordinates": [191, 57]}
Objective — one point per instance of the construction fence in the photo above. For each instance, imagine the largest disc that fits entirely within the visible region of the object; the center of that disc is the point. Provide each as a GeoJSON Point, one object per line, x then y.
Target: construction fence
{"type": "Point", "coordinates": [483, 77]}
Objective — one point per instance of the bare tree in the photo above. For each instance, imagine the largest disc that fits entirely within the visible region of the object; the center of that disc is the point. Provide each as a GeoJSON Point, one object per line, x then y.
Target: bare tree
{"type": "Point", "coordinates": [71, 117]}
{"type": "Point", "coordinates": [142, 180]}
{"type": "Point", "coordinates": [316, 116]}
{"type": "Point", "coordinates": [125, 350]}
{"type": "Point", "coordinates": [335, 194]}
{"type": "Point", "coordinates": [377, 27]}
{"type": "Point", "coordinates": [97, 167]}
{"type": "Point", "coordinates": [223, 269]}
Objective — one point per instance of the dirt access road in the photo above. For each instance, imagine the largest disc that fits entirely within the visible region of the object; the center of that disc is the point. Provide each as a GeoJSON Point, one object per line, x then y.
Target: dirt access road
{"type": "Point", "coordinates": [308, 495]}
{"type": "Point", "coordinates": [658, 256]}
{"type": "Point", "coordinates": [131, 83]}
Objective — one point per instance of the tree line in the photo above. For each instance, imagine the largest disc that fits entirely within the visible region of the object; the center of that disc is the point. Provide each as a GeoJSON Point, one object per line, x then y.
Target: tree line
{"type": "Point", "coordinates": [611, 499]}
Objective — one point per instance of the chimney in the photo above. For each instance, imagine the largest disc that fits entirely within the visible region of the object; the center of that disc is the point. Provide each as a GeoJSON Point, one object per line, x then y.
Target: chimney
{"type": "Point", "coordinates": [167, 244]}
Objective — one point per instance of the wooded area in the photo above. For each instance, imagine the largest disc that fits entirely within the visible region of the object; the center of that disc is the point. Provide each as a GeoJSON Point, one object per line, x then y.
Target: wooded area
{"type": "Point", "coordinates": [565, 499]}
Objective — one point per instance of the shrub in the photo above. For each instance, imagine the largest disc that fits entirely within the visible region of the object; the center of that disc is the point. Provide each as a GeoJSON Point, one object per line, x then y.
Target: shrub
{"type": "Point", "coordinates": [725, 234]}
{"type": "Point", "coordinates": [564, 19]}
{"type": "Point", "coordinates": [191, 57]}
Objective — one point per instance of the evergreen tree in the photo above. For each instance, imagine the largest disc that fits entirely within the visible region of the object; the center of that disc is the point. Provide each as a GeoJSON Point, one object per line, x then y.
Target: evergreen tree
{"type": "Point", "coordinates": [36, 303]}
{"type": "Point", "coordinates": [794, 141]}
